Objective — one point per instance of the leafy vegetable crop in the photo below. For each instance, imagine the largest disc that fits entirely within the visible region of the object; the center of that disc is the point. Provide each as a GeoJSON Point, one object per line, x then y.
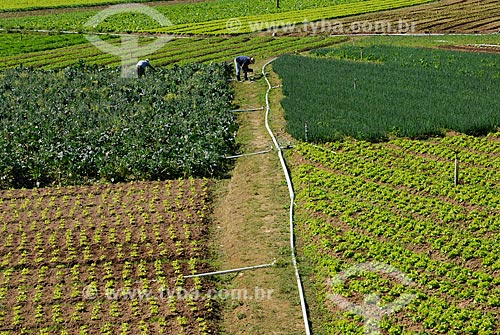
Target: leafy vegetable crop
{"type": "Point", "coordinates": [85, 123]}
{"type": "Point", "coordinates": [181, 51]}
{"type": "Point", "coordinates": [108, 259]}
{"type": "Point", "coordinates": [396, 203]}
{"type": "Point", "coordinates": [208, 17]}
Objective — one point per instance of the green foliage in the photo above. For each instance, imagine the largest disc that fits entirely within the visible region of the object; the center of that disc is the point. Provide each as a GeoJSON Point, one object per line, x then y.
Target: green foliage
{"type": "Point", "coordinates": [218, 6]}
{"type": "Point", "coordinates": [396, 203]}
{"type": "Point", "coordinates": [20, 43]}
{"type": "Point", "coordinates": [85, 123]}
{"type": "Point", "coordinates": [374, 92]}
{"type": "Point", "coordinates": [16, 5]}
{"type": "Point", "coordinates": [178, 51]}
{"type": "Point", "coordinates": [209, 17]}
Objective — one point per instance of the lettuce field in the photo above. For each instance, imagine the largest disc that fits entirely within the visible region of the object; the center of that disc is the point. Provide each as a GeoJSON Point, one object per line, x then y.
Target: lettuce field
{"type": "Point", "coordinates": [191, 18]}
{"type": "Point", "coordinates": [395, 203]}
{"type": "Point", "coordinates": [106, 260]}
{"type": "Point", "coordinates": [374, 92]}
{"type": "Point", "coordinates": [85, 123]}
{"type": "Point", "coordinates": [54, 52]}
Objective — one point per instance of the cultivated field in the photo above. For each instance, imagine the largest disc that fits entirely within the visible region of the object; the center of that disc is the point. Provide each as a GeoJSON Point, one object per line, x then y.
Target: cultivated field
{"type": "Point", "coordinates": [446, 16]}
{"type": "Point", "coordinates": [63, 51]}
{"type": "Point", "coordinates": [372, 92]}
{"type": "Point", "coordinates": [112, 257]}
{"type": "Point", "coordinates": [83, 124]}
{"type": "Point", "coordinates": [107, 259]}
{"type": "Point", "coordinates": [395, 203]}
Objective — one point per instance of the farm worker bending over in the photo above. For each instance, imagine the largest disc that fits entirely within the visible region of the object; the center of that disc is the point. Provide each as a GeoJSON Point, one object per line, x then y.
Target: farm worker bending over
{"type": "Point", "coordinates": [141, 67]}
{"type": "Point", "coordinates": [241, 63]}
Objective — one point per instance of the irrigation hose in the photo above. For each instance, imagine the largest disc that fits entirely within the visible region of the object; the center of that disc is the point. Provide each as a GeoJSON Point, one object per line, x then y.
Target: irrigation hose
{"type": "Point", "coordinates": [232, 270]}
{"type": "Point", "coordinates": [292, 201]}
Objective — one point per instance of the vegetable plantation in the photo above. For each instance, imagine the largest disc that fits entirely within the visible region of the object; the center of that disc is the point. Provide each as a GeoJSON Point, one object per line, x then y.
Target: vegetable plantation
{"type": "Point", "coordinates": [374, 92]}
{"type": "Point", "coordinates": [179, 51]}
{"type": "Point", "coordinates": [16, 5]}
{"type": "Point", "coordinates": [256, 6]}
{"type": "Point", "coordinates": [395, 203]}
{"type": "Point", "coordinates": [206, 17]}
{"type": "Point", "coordinates": [86, 123]}
{"type": "Point", "coordinates": [271, 22]}
{"type": "Point", "coordinates": [106, 260]}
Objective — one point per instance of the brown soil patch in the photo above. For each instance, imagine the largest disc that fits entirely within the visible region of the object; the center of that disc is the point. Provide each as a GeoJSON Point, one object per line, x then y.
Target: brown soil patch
{"type": "Point", "coordinates": [106, 257]}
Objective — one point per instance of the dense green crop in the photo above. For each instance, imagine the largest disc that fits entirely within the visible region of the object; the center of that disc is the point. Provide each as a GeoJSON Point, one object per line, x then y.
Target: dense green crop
{"type": "Point", "coordinates": [57, 53]}
{"type": "Point", "coordinates": [290, 21]}
{"type": "Point", "coordinates": [11, 5]}
{"type": "Point", "coordinates": [370, 93]}
{"type": "Point", "coordinates": [16, 43]}
{"type": "Point", "coordinates": [396, 203]}
{"type": "Point", "coordinates": [87, 123]}
{"type": "Point", "coordinates": [192, 18]}
{"type": "Point", "coordinates": [233, 5]}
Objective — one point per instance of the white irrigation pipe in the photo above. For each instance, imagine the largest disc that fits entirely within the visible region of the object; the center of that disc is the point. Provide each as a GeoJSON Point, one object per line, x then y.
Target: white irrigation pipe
{"type": "Point", "coordinates": [232, 270]}
{"type": "Point", "coordinates": [292, 201]}
{"type": "Point", "coordinates": [248, 110]}
{"type": "Point", "coordinates": [250, 154]}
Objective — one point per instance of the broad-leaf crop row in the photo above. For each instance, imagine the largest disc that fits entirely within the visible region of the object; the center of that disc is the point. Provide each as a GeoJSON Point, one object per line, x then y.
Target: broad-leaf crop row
{"type": "Point", "coordinates": [192, 18]}
{"type": "Point", "coordinates": [413, 172]}
{"type": "Point", "coordinates": [408, 218]}
{"type": "Point", "coordinates": [254, 23]}
{"type": "Point", "coordinates": [105, 259]}
{"type": "Point", "coordinates": [178, 51]}
{"type": "Point", "coordinates": [86, 123]}
{"type": "Point", "coordinates": [358, 202]}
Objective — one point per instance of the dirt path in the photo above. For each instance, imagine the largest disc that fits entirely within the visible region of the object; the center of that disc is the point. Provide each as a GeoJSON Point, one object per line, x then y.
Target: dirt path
{"type": "Point", "coordinates": [253, 229]}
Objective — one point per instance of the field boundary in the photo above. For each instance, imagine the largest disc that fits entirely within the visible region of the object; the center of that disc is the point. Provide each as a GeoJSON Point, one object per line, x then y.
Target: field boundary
{"type": "Point", "coordinates": [292, 202]}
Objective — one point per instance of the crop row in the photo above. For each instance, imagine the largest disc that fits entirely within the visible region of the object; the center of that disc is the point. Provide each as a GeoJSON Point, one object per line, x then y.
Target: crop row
{"type": "Point", "coordinates": [436, 306]}
{"type": "Point", "coordinates": [354, 206]}
{"type": "Point", "coordinates": [381, 164]}
{"type": "Point", "coordinates": [15, 5]}
{"type": "Point", "coordinates": [389, 91]}
{"type": "Point", "coordinates": [177, 51]}
{"type": "Point", "coordinates": [105, 259]}
{"type": "Point", "coordinates": [454, 17]}
{"type": "Point", "coordinates": [409, 218]}
{"type": "Point", "coordinates": [210, 14]}
{"type": "Point", "coordinates": [254, 23]}
{"type": "Point", "coordinates": [19, 44]}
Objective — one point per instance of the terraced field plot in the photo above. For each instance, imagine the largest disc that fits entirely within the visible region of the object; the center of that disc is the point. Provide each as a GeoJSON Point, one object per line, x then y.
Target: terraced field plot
{"type": "Point", "coordinates": [178, 51]}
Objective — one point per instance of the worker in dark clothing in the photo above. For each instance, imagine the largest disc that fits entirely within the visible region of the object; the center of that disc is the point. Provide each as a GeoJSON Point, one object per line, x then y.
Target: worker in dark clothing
{"type": "Point", "coordinates": [141, 67]}
{"type": "Point", "coordinates": [241, 63]}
